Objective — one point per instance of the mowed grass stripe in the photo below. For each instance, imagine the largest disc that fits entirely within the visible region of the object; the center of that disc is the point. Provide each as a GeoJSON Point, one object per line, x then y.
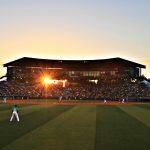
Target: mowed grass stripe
{"type": "Point", "coordinates": [145, 106]}
{"type": "Point", "coordinates": [9, 132]}
{"type": "Point", "coordinates": [72, 130]}
{"type": "Point", "coordinates": [23, 110]}
{"type": "Point", "coordinates": [5, 107]}
{"type": "Point", "coordinates": [140, 113]}
{"type": "Point", "coordinates": [117, 130]}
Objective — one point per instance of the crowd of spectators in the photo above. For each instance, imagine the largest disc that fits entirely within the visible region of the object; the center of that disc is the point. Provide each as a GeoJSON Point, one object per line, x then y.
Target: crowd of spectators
{"type": "Point", "coordinates": [107, 91]}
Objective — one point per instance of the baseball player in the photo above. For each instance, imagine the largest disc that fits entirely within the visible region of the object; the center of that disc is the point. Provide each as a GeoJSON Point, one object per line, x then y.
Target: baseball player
{"type": "Point", "coordinates": [4, 99]}
{"type": "Point", "coordinates": [105, 101]}
{"type": "Point", "coordinates": [123, 100]}
{"type": "Point", "coordinates": [15, 113]}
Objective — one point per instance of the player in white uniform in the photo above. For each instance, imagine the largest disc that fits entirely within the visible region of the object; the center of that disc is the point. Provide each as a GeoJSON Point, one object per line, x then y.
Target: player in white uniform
{"type": "Point", "coordinates": [60, 98]}
{"type": "Point", "coordinates": [5, 99]}
{"type": "Point", "coordinates": [105, 101]}
{"type": "Point", "coordinates": [15, 113]}
{"type": "Point", "coordinates": [123, 100]}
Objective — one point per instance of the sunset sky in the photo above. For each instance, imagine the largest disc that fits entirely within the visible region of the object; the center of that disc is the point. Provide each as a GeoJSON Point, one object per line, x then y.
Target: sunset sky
{"type": "Point", "coordinates": [75, 29]}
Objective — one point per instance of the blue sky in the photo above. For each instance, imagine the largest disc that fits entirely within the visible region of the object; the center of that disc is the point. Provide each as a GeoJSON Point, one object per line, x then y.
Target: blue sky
{"type": "Point", "coordinates": [75, 29]}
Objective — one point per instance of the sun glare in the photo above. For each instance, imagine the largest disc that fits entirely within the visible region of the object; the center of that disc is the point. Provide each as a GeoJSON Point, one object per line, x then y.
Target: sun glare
{"type": "Point", "coordinates": [46, 80]}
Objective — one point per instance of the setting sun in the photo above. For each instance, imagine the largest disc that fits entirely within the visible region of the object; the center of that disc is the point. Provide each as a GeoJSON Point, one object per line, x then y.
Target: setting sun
{"type": "Point", "coordinates": [46, 80]}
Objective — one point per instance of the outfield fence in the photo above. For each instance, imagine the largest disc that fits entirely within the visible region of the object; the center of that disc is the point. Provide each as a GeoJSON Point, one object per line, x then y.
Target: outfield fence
{"type": "Point", "coordinates": [129, 99]}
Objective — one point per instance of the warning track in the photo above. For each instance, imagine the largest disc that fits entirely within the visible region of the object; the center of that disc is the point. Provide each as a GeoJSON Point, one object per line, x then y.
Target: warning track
{"type": "Point", "coordinates": [67, 102]}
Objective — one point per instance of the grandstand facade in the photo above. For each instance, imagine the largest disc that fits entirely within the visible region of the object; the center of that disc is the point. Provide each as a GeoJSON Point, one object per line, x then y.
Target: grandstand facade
{"type": "Point", "coordinates": [29, 70]}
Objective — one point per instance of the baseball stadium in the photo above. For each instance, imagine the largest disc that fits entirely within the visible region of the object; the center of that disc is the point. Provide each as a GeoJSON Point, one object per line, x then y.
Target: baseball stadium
{"type": "Point", "coordinates": [100, 104]}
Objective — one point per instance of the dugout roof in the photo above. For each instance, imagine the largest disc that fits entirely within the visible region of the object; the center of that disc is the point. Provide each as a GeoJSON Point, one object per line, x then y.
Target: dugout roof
{"type": "Point", "coordinates": [35, 62]}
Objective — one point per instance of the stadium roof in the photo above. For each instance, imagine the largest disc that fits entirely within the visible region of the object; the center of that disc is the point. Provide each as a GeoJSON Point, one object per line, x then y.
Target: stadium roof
{"type": "Point", "coordinates": [36, 62]}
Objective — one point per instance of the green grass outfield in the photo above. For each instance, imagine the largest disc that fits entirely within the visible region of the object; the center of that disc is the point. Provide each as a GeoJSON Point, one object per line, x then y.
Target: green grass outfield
{"type": "Point", "coordinates": [76, 127]}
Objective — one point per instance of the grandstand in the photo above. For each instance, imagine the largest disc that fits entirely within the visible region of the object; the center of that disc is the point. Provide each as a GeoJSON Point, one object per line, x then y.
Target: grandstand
{"type": "Point", "coordinates": [109, 79]}
{"type": "Point", "coordinates": [30, 69]}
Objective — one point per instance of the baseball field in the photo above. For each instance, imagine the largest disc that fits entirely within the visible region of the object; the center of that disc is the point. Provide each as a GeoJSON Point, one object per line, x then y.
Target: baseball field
{"type": "Point", "coordinates": [75, 126]}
